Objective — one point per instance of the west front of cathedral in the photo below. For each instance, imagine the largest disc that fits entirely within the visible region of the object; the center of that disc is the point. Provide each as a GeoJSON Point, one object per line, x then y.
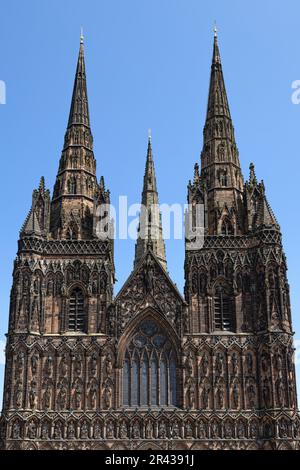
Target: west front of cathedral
{"type": "Point", "coordinates": [150, 368]}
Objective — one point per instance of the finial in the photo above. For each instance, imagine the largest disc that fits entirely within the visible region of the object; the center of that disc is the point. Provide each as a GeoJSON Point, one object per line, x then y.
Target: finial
{"type": "Point", "coordinates": [150, 135]}
{"type": "Point", "coordinates": [81, 35]}
{"type": "Point", "coordinates": [215, 29]}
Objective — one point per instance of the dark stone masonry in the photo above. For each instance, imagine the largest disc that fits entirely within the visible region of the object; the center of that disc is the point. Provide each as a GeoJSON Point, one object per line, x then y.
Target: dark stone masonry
{"type": "Point", "coordinates": [149, 368]}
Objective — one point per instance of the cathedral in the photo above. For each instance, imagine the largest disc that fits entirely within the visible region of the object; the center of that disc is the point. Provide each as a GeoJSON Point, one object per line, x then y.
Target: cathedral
{"type": "Point", "coordinates": [150, 367]}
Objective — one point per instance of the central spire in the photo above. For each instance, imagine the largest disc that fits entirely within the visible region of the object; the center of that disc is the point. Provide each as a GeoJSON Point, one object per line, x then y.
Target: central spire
{"type": "Point", "coordinates": [150, 226]}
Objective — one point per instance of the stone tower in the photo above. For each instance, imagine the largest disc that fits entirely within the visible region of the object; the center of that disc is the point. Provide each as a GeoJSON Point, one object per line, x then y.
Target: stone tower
{"type": "Point", "coordinates": [149, 368]}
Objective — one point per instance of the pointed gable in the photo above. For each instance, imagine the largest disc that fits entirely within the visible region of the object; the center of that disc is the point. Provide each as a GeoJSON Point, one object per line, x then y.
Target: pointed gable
{"type": "Point", "coordinates": [149, 285]}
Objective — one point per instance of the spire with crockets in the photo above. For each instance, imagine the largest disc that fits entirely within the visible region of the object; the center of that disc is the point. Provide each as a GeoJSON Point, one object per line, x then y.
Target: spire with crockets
{"type": "Point", "coordinates": [150, 234]}
{"type": "Point", "coordinates": [221, 172]}
{"type": "Point", "coordinates": [76, 184]}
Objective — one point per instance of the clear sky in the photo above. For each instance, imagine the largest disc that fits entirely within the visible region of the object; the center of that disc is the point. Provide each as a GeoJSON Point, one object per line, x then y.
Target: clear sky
{"type": "Point", "coordinates": [148, 65]}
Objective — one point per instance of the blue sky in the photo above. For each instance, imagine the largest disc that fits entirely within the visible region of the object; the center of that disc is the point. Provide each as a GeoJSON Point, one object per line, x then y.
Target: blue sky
{"type": "Point", "coordinates": [148, 65]}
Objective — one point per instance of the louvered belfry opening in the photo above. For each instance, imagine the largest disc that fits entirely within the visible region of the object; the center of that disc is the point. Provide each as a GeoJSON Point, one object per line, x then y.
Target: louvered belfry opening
{"type": "Point", "coordinates": [77, 318]}
{"type": "Point", "coordinates": [224, 310]}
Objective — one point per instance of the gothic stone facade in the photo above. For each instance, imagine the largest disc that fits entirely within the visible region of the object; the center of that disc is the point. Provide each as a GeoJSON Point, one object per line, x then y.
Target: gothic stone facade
{"type": "Point", "coordinates": [149, 368]}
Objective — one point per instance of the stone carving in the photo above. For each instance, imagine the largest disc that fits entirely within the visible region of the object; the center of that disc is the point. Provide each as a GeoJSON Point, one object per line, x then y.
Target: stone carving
{"type": "Point", "coordinates": [236, 395]}
{"type": "Point", "coordinates": [63, 365]}
{"type": "Point", "coordinates": [32, 394]}
{"type": "Point", "coordinates": [123, 430]}
{"type": "Point", "coordinates": [162, 430]}
{"type": "Point", "coordinates": [71, 431]}
{"type": "Point", "coordinates": [48, 368]}
{"type": "Point", "coordinates": [58, 430]}
{"type": "Point", "coordinates": [110, 431]}
{"type": "Point", "coordinates": [34, 363]}
{"type": "Point", "coordinates": [84, 430]}
{"type": "Point", "coordinates": [136, 430]}
{"type": "Point", "coordinates": [18, 394]}
{"type": "Point", "coordinates": [62, 397]}
{"type": "Point", "coordinates": [16, 430]}
{"type": "Point", "coordinates": [266, 393]}
{"type": "Point", "coordinates": [202, 430]}
{"type": "Point", "coordinates": [234, 363]}
{"type": "Point", "coordinates": [97, 430]}
{"type": "Point", "coordinates": [175, 430]}
{"type": "Point", "coordinates": [149, 430]}
{"type": "Point", "coordinates": [107, 396]}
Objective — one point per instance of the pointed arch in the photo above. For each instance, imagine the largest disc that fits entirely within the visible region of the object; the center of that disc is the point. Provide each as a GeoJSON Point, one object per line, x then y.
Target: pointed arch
{"type": "Point", "coordinates": [147, 356]}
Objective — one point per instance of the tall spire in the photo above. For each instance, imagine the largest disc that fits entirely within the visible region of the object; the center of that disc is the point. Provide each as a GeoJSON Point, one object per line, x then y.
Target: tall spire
{"type": "Point", "coordinates": [150, 226]}
{"type": "Point", "coordinates": [79, 112]}
{"type": "Point", "coordinates": [76, 184]}
{"type": "Point", "coordinates": [220, 166]}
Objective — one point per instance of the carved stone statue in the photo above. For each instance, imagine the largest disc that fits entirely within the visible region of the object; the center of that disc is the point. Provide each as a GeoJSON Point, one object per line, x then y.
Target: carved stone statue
{"type": "Point", "coordinates": [97, 430]}
{"type": "Point", "coordinates": [189, 365]}
{"type": "Point", "coordinates": [191, 396]}
{"type": "Point", "coordinates": [136, 431]}
{"type": "Point", "coordinates": [149, 276]}
{"type": "Point", "coordinates": [45, 431]}
{"type": "Point", "coordinates": [63, 366]}
{"type": "Point", "coordinates": [16, 430]}
{"type": "Point", "coordinates": [214, 430]}
{"type": "Point", "coordinates": [78, 365]}
{"type": "Point", "coordinates": [34, 363]}
{"type": "Point", "coordinates": [249, 362]}
{"type": "Point", "coordinates": [107, 396]}
{"type": "Point", "coordinates": [236, 395]}
{"type": "Point", "coordinates": [205, 364]}
{"type": "Point", "coordinates": [93, 395]}
{"type": "Point", "coordinates": [48, 366]}
{"type": "Point", "coordinates": [77, 396]}
{"type": "Point", "coordinates": [149, 430]}
{"type": "Point", "coordinates": [108, 365]}
{"type": "Point", "coordinates": [93, 364]}
{"type": "Point", "coordinates": [58, 430]}
{"type": "Point", "coordinates": [219, 364]}
{"type": "Point", "coordinates": [188, 430]}
{"type": "Point", "coordinates": [205, 397]}
{"type": "Point", "coordinates": [123, 430]}
{"type": "Point", "coordinates": [47, 397]}
{"type": "Point", "coordinates": [202, 430]}
{"type": "Point", "coordinates": [32, 394]}
{"type": "Point", "coordinates": [162, 430]}
{"type": "Point", "coordinates": [71, 432]}
{"type": "Point", "coordinates": [280, 392]}
{"type": "Point", "coordinates": [110, 430]}
{"type": "Point", "coordinates": [240, 430]}
{"type": "Point", "coordinates": [251, 395]}
{"type": "Point", "coordinates": [253, 429]}
{"type": "Point", "coordinates": [84, 430]}
{"type": "Point", "coordinates": [18, 394]}
{"type": "Point", "coordinates": [228, 431]}
{"type": "Point", "coordinates": [266, 394]}
{"type": "Point", "coordinates": [175, 430]}
{"type": "Point", "coordinates": [220, 394]}
{"type": "Point", "coordinates": [234, 363]}
{"type": "Point", "coordinates": [62, 397]}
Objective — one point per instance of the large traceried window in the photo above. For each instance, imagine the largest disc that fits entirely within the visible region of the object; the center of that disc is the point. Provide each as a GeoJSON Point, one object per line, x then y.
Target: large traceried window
{"type": "Point", "coordinates": [77, 317]}
{"type": "Point", "coordinates": [223, 310]}
{"type": "Point", "coordinates": [149, 370]}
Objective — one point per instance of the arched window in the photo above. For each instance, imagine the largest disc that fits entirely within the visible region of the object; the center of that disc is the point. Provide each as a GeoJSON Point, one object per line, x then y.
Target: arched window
{"type": "Point", "coordinates": [149, 369]}
{"type": "Point", "coordinates": [224, 315]}
{"type": "Point", "coordinates": [227, 228]}
{"type": "Point", "coordinates": [77, 317]}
